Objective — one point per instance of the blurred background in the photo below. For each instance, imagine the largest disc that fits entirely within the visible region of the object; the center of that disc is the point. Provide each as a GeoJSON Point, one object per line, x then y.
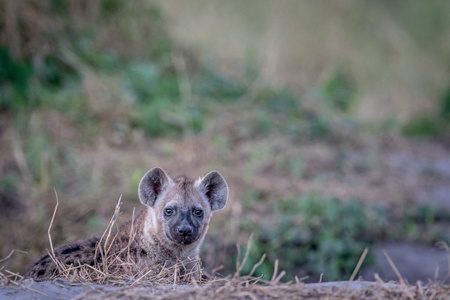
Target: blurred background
{"type": "Point", "coordinates": [329, 120]}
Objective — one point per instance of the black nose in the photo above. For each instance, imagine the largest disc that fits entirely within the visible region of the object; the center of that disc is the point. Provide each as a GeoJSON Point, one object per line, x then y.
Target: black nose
{"type": "Point", "coordinates": [184, 230]}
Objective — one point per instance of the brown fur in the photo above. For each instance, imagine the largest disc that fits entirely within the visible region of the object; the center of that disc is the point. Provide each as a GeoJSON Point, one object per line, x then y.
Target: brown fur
{"type": "Point", "coordinates": [157, 238]}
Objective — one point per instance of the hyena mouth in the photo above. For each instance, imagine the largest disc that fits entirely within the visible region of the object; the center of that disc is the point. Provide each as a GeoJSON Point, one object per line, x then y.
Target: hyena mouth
{"type": "Point", "coordinates": [183, 240]}
{"type": "Point", "coordinates": [187, 240]}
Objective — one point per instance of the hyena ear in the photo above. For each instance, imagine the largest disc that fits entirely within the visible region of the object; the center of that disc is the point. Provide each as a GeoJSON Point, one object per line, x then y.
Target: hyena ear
{"type": "Point", "coordinates": [214, 187]}
{"type": "Point", "coordinates": [154, 183]}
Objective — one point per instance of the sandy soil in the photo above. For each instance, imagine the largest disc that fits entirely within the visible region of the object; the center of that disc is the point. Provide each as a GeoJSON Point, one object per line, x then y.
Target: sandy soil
{"type": "Point", "coordinates": [414, 262]}
{"type": "Point", "coordinates": [351, 290]}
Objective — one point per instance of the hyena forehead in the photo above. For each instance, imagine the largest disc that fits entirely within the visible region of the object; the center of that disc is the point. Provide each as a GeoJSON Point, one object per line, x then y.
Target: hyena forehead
{"type": "Point", "coordinates": [183, 193]}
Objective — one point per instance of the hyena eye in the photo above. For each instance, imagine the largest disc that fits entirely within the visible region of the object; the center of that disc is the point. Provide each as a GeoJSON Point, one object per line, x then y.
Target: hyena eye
{"type": "Point", "coordinates": [168, 211]}
{"type": "Point", "coordinates": [198, 212]}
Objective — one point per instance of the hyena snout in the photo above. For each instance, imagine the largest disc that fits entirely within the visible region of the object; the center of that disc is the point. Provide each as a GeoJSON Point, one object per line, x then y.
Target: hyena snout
{"type": "Point", "coordinates": [184, 230]}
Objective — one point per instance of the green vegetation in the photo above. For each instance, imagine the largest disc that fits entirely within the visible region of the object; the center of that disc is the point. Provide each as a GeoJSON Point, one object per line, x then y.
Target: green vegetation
{"type": "Point", "coordinates": [339, 92]}
{"type": "Point", "coordinates": [424, 126]}
{"type": "Point", "coordinates": [423, 224]}
{"type": "Point", "coordinates": [313, 235]}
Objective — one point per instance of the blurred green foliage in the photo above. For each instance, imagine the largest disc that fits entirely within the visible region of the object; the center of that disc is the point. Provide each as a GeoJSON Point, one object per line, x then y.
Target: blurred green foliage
{"type": "Point", "coordinates": [213, 85]}
{"type": "Point", "coordinates": [431, 125]}
{"type": "Point", "coordinates": [423, 126]}
{"type": "Point", "coordinates": [14, 77]}
{"type": "Point", "coordinates": [421, 224]}
{"type": "Point", "coordinates": [315, 235]}
{"type": "Point", "coordinates": [339, 92]}
{"type": "Point", "coordinates": [50, 79]}
{"type": "Point", "coordinates": [444, 106]}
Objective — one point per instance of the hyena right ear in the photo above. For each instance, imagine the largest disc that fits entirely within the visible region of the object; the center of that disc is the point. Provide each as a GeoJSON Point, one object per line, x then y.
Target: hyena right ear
{"type": "Point", "coordinates": [214, 187]}
{"type": "Point", "coordinates": [154, 183]}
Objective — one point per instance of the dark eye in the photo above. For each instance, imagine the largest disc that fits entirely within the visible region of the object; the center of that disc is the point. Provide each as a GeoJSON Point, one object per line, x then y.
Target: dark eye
{"type": "Point", "coordinates": [168, 212]}
{"type": "Point", "coordinates": [198, 212]}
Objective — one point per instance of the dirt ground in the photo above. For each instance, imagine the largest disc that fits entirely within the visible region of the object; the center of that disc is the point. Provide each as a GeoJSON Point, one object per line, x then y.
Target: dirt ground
{"type": "Point", "coordinates": [414, 262]}
{"type": "Point", "coordinates": [339, 290]}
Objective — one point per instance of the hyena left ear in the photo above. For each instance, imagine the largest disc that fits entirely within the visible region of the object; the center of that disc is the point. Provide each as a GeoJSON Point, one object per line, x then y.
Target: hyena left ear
{"type": "Point", "coordinates": [154, 183]}
{"type": "Point", "coordinates": [214, 187]}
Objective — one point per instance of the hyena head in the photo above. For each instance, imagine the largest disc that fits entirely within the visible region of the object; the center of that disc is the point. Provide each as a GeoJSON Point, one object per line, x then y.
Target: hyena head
{"type": "Point", "coordinates": [181, 207]}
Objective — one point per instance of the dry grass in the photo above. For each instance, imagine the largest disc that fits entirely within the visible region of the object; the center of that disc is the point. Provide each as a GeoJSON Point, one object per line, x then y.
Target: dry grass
{"type": "Point", "coordinates": [111, 269]}
{"type": "Point", "coordinates": [7, 276]}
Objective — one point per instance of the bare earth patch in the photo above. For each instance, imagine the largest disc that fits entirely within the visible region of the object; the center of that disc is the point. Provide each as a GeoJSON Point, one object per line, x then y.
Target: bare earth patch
{"type": "Point", "coordinates": [226, 289]}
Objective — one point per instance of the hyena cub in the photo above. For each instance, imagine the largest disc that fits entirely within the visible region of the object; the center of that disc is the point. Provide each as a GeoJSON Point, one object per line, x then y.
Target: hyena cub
{"type": "Point", "coordinates": [170, 228]}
